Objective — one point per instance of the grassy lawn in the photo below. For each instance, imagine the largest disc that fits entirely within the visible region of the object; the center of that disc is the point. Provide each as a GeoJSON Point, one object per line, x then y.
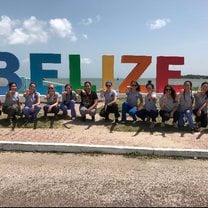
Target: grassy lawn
{"type": "Point", "coordinates": [59, 122]}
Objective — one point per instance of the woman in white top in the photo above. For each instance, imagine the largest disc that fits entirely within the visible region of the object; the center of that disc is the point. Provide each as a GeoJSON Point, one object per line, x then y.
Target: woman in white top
{"type": "Point", "coordinates": [69, 98]}
{"type": "Point", "coordinates": [150, 108]}
{"type": "Point", "coordinates": [32, 102]}
{"type": "Point", "coordinates": [111, 105]}
{"type": "Point", "coordinates": [200, 107]}
{"type": "Point", "coordinates": [11, 104]}
{"type": "Point", "coordinates": [52, 98]}
{"type": "Point", "coordinates": [133, 103]}
{"type": "Point", "coordinates": [186, 100]}
{"type": "Point", "coordinates": [168, 105]}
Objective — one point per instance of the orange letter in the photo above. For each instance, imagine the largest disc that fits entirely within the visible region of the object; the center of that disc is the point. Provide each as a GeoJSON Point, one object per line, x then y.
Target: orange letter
{"type": "Point", "coordinates": [143, 63]}
{"type": "Point", "coordinates": [163, 73]}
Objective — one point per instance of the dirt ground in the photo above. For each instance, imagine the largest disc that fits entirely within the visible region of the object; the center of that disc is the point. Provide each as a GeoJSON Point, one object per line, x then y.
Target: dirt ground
{"type": "Point", "coordinates": [102, 133]}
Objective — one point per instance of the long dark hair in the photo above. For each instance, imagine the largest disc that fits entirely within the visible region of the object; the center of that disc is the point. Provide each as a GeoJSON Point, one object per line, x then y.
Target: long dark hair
{"type": "Point", "coordinates": [173, 92]}
{"type": "Point", "coordinates": [188, 81]}
{"type": "Point", "coordinates": [138, 85]}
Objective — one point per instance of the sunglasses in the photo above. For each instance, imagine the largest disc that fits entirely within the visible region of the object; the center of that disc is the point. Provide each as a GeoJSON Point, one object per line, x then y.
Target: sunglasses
{"type": "Point", "coordinates": [108, 85]}
{"type": "Point", "coordinates": [167, 89]}
{"type": "Point", "coordinates": [50, 88]}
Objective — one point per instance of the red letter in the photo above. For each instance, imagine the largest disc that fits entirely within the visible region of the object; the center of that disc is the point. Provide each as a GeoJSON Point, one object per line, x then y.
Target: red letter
{"type": "Point", "coordinates": [163, 72]}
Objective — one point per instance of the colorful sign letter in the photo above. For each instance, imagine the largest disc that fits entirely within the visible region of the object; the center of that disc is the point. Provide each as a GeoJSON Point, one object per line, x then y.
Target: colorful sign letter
{"type": "Point", "coordinates": [163, 72]}
{"type": "Point", "coordinates": [12, 65]}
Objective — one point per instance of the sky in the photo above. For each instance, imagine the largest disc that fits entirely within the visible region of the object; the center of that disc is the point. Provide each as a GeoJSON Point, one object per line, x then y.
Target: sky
{"type": "Point", "coordinates": [93, 28]}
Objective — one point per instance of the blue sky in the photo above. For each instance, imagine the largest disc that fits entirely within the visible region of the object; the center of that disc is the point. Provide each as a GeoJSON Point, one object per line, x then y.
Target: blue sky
{"type": "Point", "coordinates": [93, 28]}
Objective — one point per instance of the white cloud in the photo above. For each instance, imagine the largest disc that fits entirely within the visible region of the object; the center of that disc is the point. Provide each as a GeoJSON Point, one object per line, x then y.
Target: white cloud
{"type": "Point", "coordinates": [158, 24]}
{"type": "Point", "coordinates": [6, 25]}
{"type": "Point", "coordinates": [87, 21]}
{"type": "Point", "coordinates": [32, 30]}
{"type": "Point", "coordinates": [86, 61]}
{"type": "Point", "coordinates": [63, 28]}
{"type": "Point", "coordinates": [98, 18]}
{"type": "Point", "coordinates": [85, 36]}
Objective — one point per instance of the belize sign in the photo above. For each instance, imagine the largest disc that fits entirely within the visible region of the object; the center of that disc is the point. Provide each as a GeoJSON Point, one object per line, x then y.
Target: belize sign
{"type": "Point", "coordinates": [38, 74]}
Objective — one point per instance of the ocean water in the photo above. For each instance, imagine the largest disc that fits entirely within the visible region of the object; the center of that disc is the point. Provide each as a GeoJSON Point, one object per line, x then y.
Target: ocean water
{"type": "Point", "coordinates": [98, 81]}
{"type": "Point", "coordinates": [117, 82]}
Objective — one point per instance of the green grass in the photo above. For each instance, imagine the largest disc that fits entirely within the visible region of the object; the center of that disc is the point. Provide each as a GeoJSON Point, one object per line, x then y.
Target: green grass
{"type": "Point", "coordinates": [59, 122]}
{"type": "Point", "coordinates": [41, 122]}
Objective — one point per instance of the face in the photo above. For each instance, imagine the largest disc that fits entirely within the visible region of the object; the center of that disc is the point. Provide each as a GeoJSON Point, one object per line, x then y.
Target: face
{"type": "Point", "coordinates": [68, 88]}
{"type": "Point", "coordinates": [87, 86]}
{"type": "Point", "coordinates": [133, 85]}
{"type": "Point", "coordinates": [108, 85]}
{"type": "Point", "coordinates": [32, 87]}
{"type": "Point", "coordinates": [168, 90]}
{"type": "Point", "coordinates": [204, 87]}
{"type": "Point", "coordinates": [187, 86]}
{"type": "Point", "coordinates": [51, 88]}
{"type": "Point", "coordinates": [13, 87]}
{"type": "Point", "coordinates": [149, 89]}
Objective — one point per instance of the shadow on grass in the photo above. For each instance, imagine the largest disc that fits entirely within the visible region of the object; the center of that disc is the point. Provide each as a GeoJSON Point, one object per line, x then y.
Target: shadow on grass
{"type": "Point", "coordinates": [22, 122]}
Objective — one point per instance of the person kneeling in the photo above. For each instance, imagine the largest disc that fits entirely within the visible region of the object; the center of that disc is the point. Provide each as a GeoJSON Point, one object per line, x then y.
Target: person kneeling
{"type": "Point", "coordinates": [110, 102]}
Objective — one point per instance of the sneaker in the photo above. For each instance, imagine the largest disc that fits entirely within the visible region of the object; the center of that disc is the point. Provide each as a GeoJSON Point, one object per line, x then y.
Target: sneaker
{"type": "Point", "coordinates": [134, 120]}
{"type": "Point", "coordinates": [152, 125]}
{"type": "Point", "coordinates": [73, 118]}
{"type": "Point", "coordinates": [83, 118]}
{"type": "Point", "coordinates": [107, 119]}
{"type": "Point", "coordinates": [123, 122]}
{"type": "Point", "coordinates": [175, 125]}
{"type": "Point", "coordinates": [162, 124]}
{"type": "Point", "coordinates": [148, 119]}
{"type": "Point", "coordinates": [194, 130]}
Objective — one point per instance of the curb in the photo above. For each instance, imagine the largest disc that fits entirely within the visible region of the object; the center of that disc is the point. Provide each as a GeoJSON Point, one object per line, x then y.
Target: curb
{"type": "Point", "coordinates": [106, 149]}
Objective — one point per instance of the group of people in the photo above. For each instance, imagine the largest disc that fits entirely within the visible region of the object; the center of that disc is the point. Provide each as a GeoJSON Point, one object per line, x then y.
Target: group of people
{"type": "Point", "coordinates": [179, 107]}
{"type": "Point", "coordinates": [53, 104]}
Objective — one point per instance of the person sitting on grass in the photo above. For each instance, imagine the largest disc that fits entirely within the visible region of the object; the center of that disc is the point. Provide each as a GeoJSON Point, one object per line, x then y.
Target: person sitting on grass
{"type": "Point", "coordinates": [133, 102]}
{"type": "Point", "coordinates": [110, 102]}
{"type": "Point", "coordinates": [168, 106]}
{"type": "Point", "coordinates": [89, 101]}
{"type": "Point", "coordinates": [186, 100]}
{"type": "Point", "coordinates": [200, 107]}
{"type": "Point", "coordinates": [52, 104]}
{"type": "Point", "coordinates": [32, 102]}
{"type": "Point", "coordinates": [150, 108]}
{"type": "Point", "coordinates": [69, 98]}
{"type": "Point", "coordinates": [11, 105]}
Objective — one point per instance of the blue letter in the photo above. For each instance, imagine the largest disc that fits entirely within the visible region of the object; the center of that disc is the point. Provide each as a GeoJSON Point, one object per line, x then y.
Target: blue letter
{"type": "Point", "coordinates": [12, 65]}
{"type": "Point", "coordinates": [38, 74]}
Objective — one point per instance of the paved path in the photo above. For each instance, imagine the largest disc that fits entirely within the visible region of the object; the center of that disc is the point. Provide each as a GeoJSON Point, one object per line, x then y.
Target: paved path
{"type": "Point", "coordinates": [96, 133]}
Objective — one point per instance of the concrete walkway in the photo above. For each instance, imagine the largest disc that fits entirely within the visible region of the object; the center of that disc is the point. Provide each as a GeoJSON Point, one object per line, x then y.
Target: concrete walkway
{"type": "Point", "coordinates": [95, 137]}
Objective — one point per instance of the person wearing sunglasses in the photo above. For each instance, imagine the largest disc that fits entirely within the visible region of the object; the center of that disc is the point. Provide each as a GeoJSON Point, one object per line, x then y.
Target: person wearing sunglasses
{"type": "Point", "coordinates": [89, 101]}
{"type": "Point", "coordinates": [133, 102]}
{"type": "Point", "coordinates": [200, 107]}
{"type": "Point", "coordinates": [11, 105]}
{"type": "Point", "coordinates": [52, 103]}
{"type": "Point", "coordinates": [186, 100]}
{"type": "Point", "coordinates": [69, 98]}
{"type": "Point", "coordinates": [32, 102]}
{"type": "Point", "coordinates": [110, 106]}
{"type": "Point", "coordinates": [150, 109]}
{"type": "Point", "coordinates": [168, 106]}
